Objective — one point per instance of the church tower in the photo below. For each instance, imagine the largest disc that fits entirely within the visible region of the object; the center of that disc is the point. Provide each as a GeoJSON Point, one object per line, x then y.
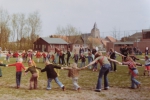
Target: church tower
{"type": "Point", "coordinates": [95, 31]}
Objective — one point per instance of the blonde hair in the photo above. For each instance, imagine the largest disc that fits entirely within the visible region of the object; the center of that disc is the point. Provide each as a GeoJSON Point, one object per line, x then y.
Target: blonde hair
{"type": "Point", "coordinates": [130, 59]}
{"type": "Point", "coordinates": [74, 65]}
{"type": "Point", "coordinates": [20, 60]}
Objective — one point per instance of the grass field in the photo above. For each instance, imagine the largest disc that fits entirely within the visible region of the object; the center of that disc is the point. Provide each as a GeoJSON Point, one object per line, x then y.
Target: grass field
{"type": "Point", "coordinates": [119, 82]}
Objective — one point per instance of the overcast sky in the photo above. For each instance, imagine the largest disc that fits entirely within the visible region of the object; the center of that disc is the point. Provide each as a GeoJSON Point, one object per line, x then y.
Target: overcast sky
{"type": "Point", "coordinates": [122, 15]}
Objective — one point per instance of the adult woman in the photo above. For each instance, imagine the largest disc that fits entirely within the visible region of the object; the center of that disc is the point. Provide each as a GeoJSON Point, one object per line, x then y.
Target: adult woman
{"type": "Point", "coordinates": [105, 67]}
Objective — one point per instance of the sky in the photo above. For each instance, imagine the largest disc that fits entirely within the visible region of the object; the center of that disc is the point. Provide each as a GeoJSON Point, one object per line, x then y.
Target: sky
{"type": "Point", "coordinates": [123, 16]}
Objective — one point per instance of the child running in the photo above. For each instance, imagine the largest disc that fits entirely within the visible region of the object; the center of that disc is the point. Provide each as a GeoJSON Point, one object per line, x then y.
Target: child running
{"type": "Point", "coordinates": [73, 72]}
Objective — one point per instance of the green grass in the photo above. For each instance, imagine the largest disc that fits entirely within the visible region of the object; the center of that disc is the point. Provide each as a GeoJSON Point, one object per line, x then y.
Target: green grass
{"type": "Point", "coordinates": [87, 81]}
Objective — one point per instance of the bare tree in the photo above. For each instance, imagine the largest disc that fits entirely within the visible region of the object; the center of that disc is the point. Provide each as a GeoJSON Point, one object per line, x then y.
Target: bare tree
{"type": "Point", "coordinates": [25, 30]}
{"type": "Point", "coordinates": [4, 29]}
{"type": "Point", "coordinates": [34, 22]}
{"type": "Point", "coordinates": [70, 32]}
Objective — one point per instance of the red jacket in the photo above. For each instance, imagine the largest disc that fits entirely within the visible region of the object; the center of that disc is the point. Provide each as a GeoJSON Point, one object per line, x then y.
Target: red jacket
{"type": "Point", "coordinates": [19, 66]}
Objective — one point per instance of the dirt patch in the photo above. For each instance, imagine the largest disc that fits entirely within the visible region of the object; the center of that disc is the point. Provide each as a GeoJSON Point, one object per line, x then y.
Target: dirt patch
{"type": "Point", "coordinates": [113, 93]}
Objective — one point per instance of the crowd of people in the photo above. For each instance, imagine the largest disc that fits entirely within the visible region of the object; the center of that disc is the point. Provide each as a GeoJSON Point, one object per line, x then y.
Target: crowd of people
{"type": "Point", "coordinates": [61, 60]}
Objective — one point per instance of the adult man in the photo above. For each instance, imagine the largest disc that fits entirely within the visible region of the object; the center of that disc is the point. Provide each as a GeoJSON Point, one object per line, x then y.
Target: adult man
{"type": "Point", "coordinates": [125, 52]}
{"type": "Point", "coordinates": [146, 50]}
{"type": "Point", "coordinates": [81, 50]}
{"type": "Point", "coordinates": [68, 56]}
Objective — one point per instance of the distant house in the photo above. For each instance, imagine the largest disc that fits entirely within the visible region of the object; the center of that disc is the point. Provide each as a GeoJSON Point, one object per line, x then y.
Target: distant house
{"type": "Point", "coordinates": [133, 37]}
{"type": "Point", "coordinates": [49, 44]}
{"type": "Point", "coordinates": [140, 40]}
{"type": "Point", "coordinates": [108, 39]}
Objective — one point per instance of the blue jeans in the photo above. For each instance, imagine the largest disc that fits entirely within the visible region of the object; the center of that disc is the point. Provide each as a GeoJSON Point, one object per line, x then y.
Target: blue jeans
{"type": "Point", "coordinates": [90, 67]}
{"type": "Point", "coordinates": [95, 66]}
{"type": "Point", "coordinates": [18, 78]}
{"type": "Point", "coordinates": [103, 71]}
{"type": "Point", "coordinates": [56, 80]}
{"type": "Point", "coordinates": [82, 64]}
{"type": "Point", "coordinates": [133, 80]}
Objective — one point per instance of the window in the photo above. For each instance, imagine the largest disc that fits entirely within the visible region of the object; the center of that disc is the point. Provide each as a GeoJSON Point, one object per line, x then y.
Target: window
{"type": "Point", "coordinates": [61, 46]}
{"type": "Point", "coordinates": [51, 45]}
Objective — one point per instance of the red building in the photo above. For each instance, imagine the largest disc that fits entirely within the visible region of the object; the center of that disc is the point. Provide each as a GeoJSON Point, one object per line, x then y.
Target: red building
{"type": "Point", "coordinates": [140, 43]}
{"type": "Point", "coordinates": [49, 44]}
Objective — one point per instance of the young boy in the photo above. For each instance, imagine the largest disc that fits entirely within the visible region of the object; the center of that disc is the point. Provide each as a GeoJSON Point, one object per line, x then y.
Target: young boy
{"type": "Point", "coordinates": [51, 74]}
{"type": "Point", "coordinates": [73, 72]}
{"type": "Point", "coordinates": [19, 67]}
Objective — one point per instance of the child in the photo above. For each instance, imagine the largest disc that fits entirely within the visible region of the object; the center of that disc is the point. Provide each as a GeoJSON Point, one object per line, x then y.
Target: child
{"type": "Point", "coordinates": [51, 74]}
{"type": "Point", "coordinates": [82, 58]}
{"type": "Point", "coordinates": [44, 56]}
{"type": "Point", "coordinates": [19, 67]}
{"type": "Point", "coordinates": [1, 64]}
{"type": "Point", "coordinates": [8, 56]}
{"type": "Point", "coordinates": [73, 72]}
{"type": "Point", "coordinates": [76, 57]}
{"type": "Point", "coordinates": [90, 58]}
{"type": "Point", "coordinates": [147, 65]}
{"type": "Point", "coordinates": [38, 56]}
{"type": "Point", "coordinates": [133, 70]}
{"type": "Point", "coordinates": [52, 58]}
{"type": "Point", "coordinates": [32, 68]}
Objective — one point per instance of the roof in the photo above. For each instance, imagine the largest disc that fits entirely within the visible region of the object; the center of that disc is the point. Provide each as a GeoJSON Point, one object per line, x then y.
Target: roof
{"type": "Point", "coordinates": [104, 42]}
{"type": "Point", "coordinates": [111, 39]}
{"type": "Point", "coordinates": [123, 42]}
{"type": "Point", "coordinates": [70, 39]}
{"type": "Point", "coordinates": [146, 30]}
{"type": "Point", "coordinates": [54, 40]}
{"type": "Point", "coordinates": [95, 41]}
{"type": "Point", "coordinates": [85, 35]}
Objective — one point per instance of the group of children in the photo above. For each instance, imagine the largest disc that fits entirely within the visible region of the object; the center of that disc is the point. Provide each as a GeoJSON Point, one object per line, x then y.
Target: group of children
{"type": "Point", "coordinates": [73, 70]}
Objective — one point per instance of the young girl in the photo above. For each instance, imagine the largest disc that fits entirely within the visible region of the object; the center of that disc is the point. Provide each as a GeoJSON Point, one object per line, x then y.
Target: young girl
{"type": "Point", "coordinates": [73, 72]}
{"type": "Point", "coordinates": [133, 70]}
{"type": "Point", "coordinates": [32, 68]}
{"type": "Point", "coordinates": [147, 65]}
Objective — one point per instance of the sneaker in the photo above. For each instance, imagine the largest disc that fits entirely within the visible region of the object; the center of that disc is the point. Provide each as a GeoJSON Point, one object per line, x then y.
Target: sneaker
{"type": "Point", "coordinates": [106, 88]}
{"type": "Point", "coordinates": [131, 87]}
{"type": "Point", "coordinates": [63, 88]}
{"type": "Point", "coordinates": [48, 88]}
{"type": "Point", "coordinates": [139, 85]}
{"type": "Point", "coordinates": [18, 87]}
{"type": "Point", "coordinates": [97, 90]}
{"type": "Point", "coordinates": [78, 89]}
